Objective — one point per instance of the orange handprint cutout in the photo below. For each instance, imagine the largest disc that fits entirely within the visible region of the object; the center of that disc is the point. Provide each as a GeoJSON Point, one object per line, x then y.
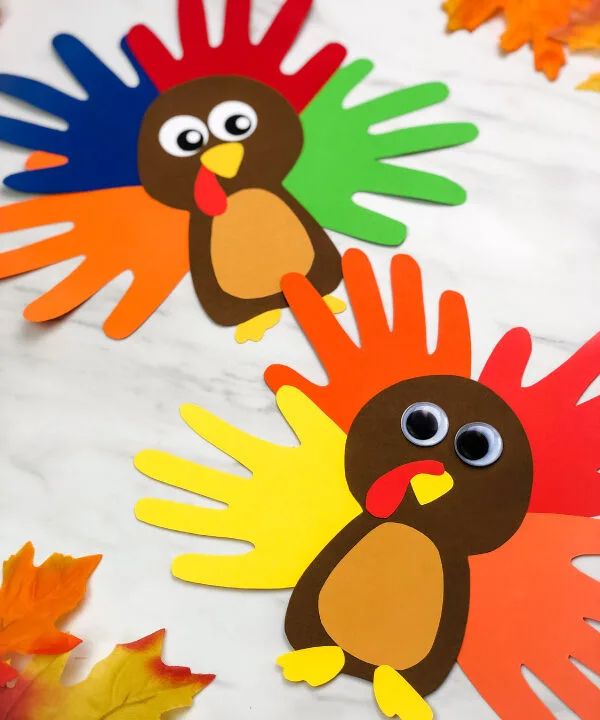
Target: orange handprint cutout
{"type": "Point", "coordinates": [528, 607]}
{"type": "Point", "coordinates": [153, 247]}
{"type": "Point", "coordinates": [385, 355]}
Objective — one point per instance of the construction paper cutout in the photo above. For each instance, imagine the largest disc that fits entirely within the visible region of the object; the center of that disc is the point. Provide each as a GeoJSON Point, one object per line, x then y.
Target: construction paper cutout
{"type": "Point", "coordinates": [415, 617]}
{"type": "Point", "coordinates": [562, 432]}
{"type": "Point", "coordinates": [285, 509]}
{"type": "Point", "coordinates": [482, 518]}
{"type": "Point", "coordinates": [132, 682]}
{"type": "Point", "coordinates": [341, 157]}
{"type": "Point", "coordinates": [33, 599]}
{"type": "Point", "coordinates": [529, 606]}
{"type": "Point", "coordinates": [100, 141]}
{"type": "Point", "coordinates": [364, 564]}
{"type": "Point", "coordinates": [385, 355]}
{"type": "Point", "coordinates": [236, 55]}
{"type": "Point", "coordinates": [395, 696]}
{"type": "Point", "coordinates": [316, 666]}
{"type": "Point", "coordinates": [242, 162]}
{"type": "Point", "coordinates": [253, 330]}
{"type": "Point", "coordinates": [260, 216]}
{"type": "Point", "coordinates": [540, 25]}
{"type": "Point", "coordinates": [238, 254]}
{"type": "Point", "coordinates": [115, 230]}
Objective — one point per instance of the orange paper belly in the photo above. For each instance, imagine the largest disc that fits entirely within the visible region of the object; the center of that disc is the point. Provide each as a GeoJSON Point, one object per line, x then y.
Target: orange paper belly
{"type": "Point", "coordinates": [383, 601]}
{"type": "Point", "coordinates": [256, 242]}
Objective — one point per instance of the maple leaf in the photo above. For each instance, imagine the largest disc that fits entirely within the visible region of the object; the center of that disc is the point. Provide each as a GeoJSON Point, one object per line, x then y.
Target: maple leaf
{"type": "Point", "coordinates": [32, 599]}
{"type": "Point", "coordinates": [583, 31]}
{"type": "Point", "coordinates": [132, 683]}
{"type": "Point", "coordinates": [526, 22]}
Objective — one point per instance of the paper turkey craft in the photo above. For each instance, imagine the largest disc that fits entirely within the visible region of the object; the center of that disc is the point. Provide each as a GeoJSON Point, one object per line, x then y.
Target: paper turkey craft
{"type": "Point", "coordinates": [216, 162]}
{"type": "Point", "coordinates": [424, 518]}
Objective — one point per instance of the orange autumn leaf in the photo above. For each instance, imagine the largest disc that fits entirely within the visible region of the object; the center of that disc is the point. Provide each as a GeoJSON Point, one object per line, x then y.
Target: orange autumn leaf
{"type": "Point", "coordinates": [33, 599]}
{"type": "Point", "coordinates": [533, 23]}
{"type": "Point", "coordinates": [584, 37]}
{"type": "Point", "coordinates": [132, 683]}
{"type": "Point", "coordinates": [583, 32]}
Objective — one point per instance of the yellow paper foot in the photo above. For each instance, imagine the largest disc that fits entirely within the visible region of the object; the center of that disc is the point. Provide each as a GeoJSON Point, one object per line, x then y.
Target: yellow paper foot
{"type": "Point", "coordinates": [255, 328]}
{"type": "Point", "coordinates": [316, 666]}
{"type": "Point", "coordinates": [335, 304]}
{"type": "Point", "coordinates": [396, 697]}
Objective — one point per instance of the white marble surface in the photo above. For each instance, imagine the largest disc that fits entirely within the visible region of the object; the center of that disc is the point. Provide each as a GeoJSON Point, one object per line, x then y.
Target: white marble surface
{"type": "Point", "coordinates": [76, 406]}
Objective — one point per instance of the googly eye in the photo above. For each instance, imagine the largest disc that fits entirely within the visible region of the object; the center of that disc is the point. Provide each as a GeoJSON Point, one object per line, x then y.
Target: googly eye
{"type": "Point", "coordinates": [424, 424]}
{"type": "Point", "coordinates": [183, 135]}
{"type": "Point", "coordinates": [478, 444]}
{"type": "Point", "coordinates": [232, 120]}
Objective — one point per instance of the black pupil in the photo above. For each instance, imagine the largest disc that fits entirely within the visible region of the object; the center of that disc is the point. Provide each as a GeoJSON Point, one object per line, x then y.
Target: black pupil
{"type": "Point", "coordinates": [237, 124]}
{"type": "Point", "coordinates": [190, 140]}
{"type": "Point", "coordinates": [422, 424]}
{"type": "Point", "coordinates": [472, 444]}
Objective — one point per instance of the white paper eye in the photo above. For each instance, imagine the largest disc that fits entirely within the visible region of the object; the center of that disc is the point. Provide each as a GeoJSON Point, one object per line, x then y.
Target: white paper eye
{"type": "Point", "coordinates": [183, 135]}
{"type": "Point", "coordinates": [478, 444]}
{"type": "Point", "coordinates": [424, 423]}
{"type": "Point", "coordinates": [232, 120]}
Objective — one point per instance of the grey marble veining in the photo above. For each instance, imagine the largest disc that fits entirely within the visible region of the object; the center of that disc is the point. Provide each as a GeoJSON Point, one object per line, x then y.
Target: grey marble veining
{"type": "Point", "coordinates": [76, 406]}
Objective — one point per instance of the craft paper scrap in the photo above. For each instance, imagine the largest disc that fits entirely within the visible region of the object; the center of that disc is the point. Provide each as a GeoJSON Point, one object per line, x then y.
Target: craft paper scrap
{"type": "Point", "coordinates": [289, 523]}
{"type": "Point", "coordinates": [216, 162]}
{"type": "Point", "coordinates": [132, 682]}
{"type": "Point", "coordinates": [33, 599]}
{"type": "Point", "coordinates": [452, 487]}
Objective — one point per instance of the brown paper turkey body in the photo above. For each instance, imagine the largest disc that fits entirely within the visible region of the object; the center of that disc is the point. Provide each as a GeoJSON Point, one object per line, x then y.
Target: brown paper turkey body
{"type": "Point", "coordinates": [220, 147]}
{"type": "Point", "coordinates": [438, 485]}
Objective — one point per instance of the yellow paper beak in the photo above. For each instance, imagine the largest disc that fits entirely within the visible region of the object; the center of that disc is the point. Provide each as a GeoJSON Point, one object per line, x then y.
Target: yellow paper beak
{"type": "Point", "coordinates": [428, 488]}
{"type": "Point", "coordinates": [223, 160]}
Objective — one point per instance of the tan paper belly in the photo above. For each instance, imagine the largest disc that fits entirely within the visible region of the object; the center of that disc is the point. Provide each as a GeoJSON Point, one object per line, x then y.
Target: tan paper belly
{"type": "Point", "coordinates": [257, 241]}
{"type": "Point", "coordinates": [383, 601]}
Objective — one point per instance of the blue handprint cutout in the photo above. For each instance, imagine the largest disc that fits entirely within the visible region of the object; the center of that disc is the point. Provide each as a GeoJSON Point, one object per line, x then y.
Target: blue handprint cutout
{"type": "Point", "coordinates": [100, 143]}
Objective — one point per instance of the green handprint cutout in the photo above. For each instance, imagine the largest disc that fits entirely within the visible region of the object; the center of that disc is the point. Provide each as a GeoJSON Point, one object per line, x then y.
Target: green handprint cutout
{"type": "Point", "coordinates": [341, 157]}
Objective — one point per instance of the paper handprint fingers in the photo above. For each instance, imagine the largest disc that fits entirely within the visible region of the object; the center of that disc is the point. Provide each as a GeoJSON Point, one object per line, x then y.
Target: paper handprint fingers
{"type": "Point", "coordinates": [140, 300]}
{"type": "Point", "coordinates": [39, 211]}
{"type": "Point", "coordinates": [400, 102]}
{"type": "Point", "coordinates": [38, 255]}
{"type": "Point", "coordinates": [37, 181]}
{"type": "Point", "coordinates": [571, 686]}
{"type": "Point", "coordinates": [342, 83]}
{"type": "Point", "coordinates": [34, 137]}
{"type": "Point", "coordinates": [68, 294]}
{"type": "Point", "coordinates": [247, 571]}
{"type": "Point", "coordinates": [239, 445]}
{"type": "Point", "coordinates": [156, 55]}
{"type": "Point", "coordinates": [187, 475]}
{"type": "Point", "coordinates": [277, 376]}
{"type": "Point", "coordinates": [365, 298]}
{"type": "Point", "coordinates": [407, 141]}
{"type": "Point", "coordinates": [316, 320]}
{"type": "Point", "coordinates": [385, 179]}
{"type": "Point", "coordinates": [38, 95]}
{"type": "Point", "coordinates": [306, 420]}
{"type": "Point", "coordinates": [180, 517]}
{"type": "Point", "coordinates": [91, 73]}
{"type": "Point", "coordinates": [369, 225]}
{"type": "Point", "coordinates": [586, 646]}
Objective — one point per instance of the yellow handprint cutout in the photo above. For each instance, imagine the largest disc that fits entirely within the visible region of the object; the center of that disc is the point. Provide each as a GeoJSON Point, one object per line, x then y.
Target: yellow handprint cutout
{"type": "Point", "coordinates": [294, 503]}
